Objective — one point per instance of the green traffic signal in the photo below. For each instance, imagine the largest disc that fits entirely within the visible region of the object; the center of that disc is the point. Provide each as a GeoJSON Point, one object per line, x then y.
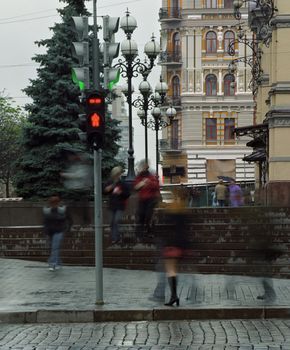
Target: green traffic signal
{"type": "Point", "coordinates": [114, 78]}
{"type": "Point", "coordinates": [80, 84]}
{"type": "Point", "coordinates": [80, 76]}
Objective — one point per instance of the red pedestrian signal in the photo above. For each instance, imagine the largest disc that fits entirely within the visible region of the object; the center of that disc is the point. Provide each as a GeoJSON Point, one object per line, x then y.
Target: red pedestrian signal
{"type": "Point", "coordinates": [95, 101]}
{"type": "Point", "coordinates": [95, 111]}
{"type": "Point", "coordinates": [95, 120]}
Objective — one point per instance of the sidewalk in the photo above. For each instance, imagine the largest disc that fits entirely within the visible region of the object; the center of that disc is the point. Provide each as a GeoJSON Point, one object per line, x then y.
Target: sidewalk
{"type": "Point", "coordinates": [31, 293]}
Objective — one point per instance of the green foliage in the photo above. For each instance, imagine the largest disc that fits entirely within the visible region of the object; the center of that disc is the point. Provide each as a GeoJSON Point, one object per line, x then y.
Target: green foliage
{"type": "Point", "coordinates": [11, 121]}
{"type": "Point", "coordinates": [53, 115]}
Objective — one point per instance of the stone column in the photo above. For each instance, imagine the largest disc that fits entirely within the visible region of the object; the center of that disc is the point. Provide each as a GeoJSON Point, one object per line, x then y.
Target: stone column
{"type": "Point", "coordinates": [278, 186]}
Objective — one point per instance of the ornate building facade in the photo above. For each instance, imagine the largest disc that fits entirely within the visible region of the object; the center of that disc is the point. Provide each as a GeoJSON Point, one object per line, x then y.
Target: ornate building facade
{"type": "Point", "coordinates": [270, 21]}
{"type": "Point", "coordinates": [210, 100]}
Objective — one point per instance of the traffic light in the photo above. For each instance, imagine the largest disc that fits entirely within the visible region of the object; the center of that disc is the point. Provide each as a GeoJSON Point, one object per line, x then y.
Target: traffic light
{"type": "Point", "coordinates": [80, 50]}
{"type": "Point", "coordinates": [111, 51]}
{"type": "Point", "coordinates": [95, 119]}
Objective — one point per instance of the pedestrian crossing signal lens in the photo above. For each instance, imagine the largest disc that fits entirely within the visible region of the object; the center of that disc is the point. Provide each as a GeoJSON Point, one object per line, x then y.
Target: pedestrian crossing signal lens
{"type": "Point", "coordinates": [95, 120]}
{"type": "Point", "coordinates": [95, 101]}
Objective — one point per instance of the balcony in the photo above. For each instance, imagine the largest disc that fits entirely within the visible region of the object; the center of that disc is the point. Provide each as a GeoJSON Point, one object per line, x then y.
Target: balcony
{"type": "Point", "coordinates": [170, 58]}
{"type": "Point", "coordinates": [170, 14]}
{"type": "Point", "coordinates": [170, 145]}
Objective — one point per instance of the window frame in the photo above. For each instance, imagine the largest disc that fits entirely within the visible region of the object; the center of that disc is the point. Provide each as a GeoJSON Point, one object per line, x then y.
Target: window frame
{"type": "Point", "coordinates": [176, 87]}
{"type": "Point", "coordinates": [176, 46]}
{"type": "Point", "coordinates": [228, 41]}
{"type": "Point", "coordinates": [229, 136]}
{"type": "Point", "coordinates": [228, 90]}
{"type": "Point", "coordinates": [211, 4]}
{"type": "Point", "coordinates": [211, 130]}
{"type": "Point", "coordinates": [209, 85]}
{"type": "Point", "coordinates": [211, 43]}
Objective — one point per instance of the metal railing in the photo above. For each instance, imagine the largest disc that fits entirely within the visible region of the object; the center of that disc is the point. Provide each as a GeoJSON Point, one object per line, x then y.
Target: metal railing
{"type": "Point", "coordinates": [169, 13]}
{"type": "Point", "coordinates": [170, 57]}
{"type": "Point", "coordinates": [171, 144]}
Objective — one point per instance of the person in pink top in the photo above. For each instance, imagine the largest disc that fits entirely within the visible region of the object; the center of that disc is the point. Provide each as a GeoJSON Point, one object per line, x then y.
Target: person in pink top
{"type": "Point", "coordinates": [147, 186]}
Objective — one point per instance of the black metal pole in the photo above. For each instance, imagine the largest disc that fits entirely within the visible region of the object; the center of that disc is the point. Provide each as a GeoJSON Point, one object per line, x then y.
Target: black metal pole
{"type": "Point", "coordinates": [131, 170]}
{"type": "Point", "coordinates": [146, 138]}
{"type": "Point", "coordinates": [157, 148]}
{"type": "Point", "coordinates": [145, 107]}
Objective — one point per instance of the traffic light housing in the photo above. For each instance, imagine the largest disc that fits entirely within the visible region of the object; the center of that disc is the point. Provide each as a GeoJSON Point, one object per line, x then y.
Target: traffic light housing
{"type": "Point", "coordinates": [95, 119]}
{"type": "Point", "coordinates": [80, 50]}
{"type": "Point", "coordinates": [111, 51]}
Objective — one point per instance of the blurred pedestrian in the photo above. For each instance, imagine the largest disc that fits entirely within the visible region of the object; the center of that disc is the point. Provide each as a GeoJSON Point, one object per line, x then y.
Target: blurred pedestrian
{"type": "Point", "coordinates": [147, 186]}
{"type": "Point", "coordinates": [119, 192]}
{"type": "Point", "coordinates": [77, 175]}
{"type": "Point", "coordinates": [194, 196]}
{"type": "Point", "coordinates": [221, 193]}
{"type": "Point", "coordinates": [175, 244]}
{"type": "Point", "coordinates": [213, 199]}
{"type": "Point", "coordinates": [235, 194]}
{"type": "Point", "coordinates": [57, 222]}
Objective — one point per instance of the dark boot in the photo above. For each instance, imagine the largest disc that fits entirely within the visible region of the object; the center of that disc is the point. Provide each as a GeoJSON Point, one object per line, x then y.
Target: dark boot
{"type": "Point", "coordinates": [173, 285]}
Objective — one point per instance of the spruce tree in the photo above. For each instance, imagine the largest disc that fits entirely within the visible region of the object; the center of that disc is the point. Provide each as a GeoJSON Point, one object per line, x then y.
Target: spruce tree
{"type": "Point", "coordinates": [53, 115]}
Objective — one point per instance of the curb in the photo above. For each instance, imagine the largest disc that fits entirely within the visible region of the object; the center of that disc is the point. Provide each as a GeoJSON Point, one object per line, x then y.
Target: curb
{"type": "Point", "coordinates": [123, 315]}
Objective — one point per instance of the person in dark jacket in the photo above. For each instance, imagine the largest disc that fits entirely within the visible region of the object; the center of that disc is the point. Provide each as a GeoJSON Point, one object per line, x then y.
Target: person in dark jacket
{"type": "Point", "coordinates": [57, 222]}
{"type": "Point", "coordinates": [119, 193]}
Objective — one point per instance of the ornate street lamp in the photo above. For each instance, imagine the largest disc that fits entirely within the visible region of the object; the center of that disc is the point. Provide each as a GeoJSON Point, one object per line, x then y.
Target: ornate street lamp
{"type": "Point", "coordinates": [159, 123]}
{"type": "Point", "coordinates": [261, 13]}
{"type": "Point", "coordinates": [131, 67]}
{"type": "Point", "coordinates": [148, 101]}
{"type": "Point", "coordinates": [253, 60]}
{"type": "Point", "coordinates": [266, 7]}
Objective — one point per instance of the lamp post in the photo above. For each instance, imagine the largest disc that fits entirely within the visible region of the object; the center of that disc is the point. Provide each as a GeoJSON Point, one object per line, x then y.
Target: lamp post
{"type": "Point", "coordinates": [144, 104]}
{"type": "Point", "coordinates": [260, 15]}
{"type": "Point", "coordinates": [158, 123]}
{"type": "Point", "coordinates": [266, 7]}
{"type": "Point", "coordinates": [131, 67]}
{"type": "Point", "coordinates": [148, 101]}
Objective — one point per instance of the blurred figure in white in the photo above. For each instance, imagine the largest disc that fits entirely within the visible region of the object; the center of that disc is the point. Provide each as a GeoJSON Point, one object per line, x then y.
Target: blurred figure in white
{"type": "Point", "coordinates": [78, 174]}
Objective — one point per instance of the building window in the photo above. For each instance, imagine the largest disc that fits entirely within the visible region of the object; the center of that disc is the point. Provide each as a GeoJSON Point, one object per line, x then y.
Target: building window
{"type": "Point", "coordinates": [229, 38]}
{"type": "Point", "coordinates": [175, 8]}
{"type": "Point", "coordinates": [175, 87]}
{"type": "Point", "coordinates": [211, 85]}
{"type": "Point", "coordinates": [211, 130]}
{"type": "Point", "coordinates": [211, 4]}
{"type": "Point", "coordinates": [211, 44]}
{"type": "Point", "coordinates": [228, 4]}
{"type": "Point", "coordinates": [229, 127]}
{"type": "Point", "coordinates": [174, 134]}
{"type": "Point", "coordinates": [228, 89]}
{"type": "Point", "coordinates": [176, 46]}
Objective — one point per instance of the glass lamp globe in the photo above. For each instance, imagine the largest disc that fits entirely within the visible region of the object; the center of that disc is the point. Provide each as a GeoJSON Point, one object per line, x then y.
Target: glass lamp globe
{"type": "Point", "coordinates": [152, 48]}
{"type": "Point", "coordinates": [129, 48]}
{"type": "Point", "coordinates": [145, 88]}
{"type": "Point", "coordinates": [128, 23]}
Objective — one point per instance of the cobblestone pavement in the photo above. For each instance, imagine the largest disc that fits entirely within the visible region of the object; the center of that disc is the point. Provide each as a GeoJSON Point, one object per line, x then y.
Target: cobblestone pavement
{"type": "Point", "coordinates": [177, 335]}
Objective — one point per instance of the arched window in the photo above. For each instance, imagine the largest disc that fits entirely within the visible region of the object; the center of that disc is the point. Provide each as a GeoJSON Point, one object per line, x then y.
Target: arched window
{"type": "Point", "coordinates": [175, 87]}
{"type": "Point", "coordinates": [176, 46]}
{"type": "Point", "coordinates": [211, 85]}
{"type": "Point", "coordinates": [229, 38]}
{"type": "Point", "coordinates": [211, 45]}
{"type": "Point", "coordinates": [228, 89]}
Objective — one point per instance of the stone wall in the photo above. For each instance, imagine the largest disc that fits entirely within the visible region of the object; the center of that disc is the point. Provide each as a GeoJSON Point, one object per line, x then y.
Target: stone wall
{"type": "Point", "coordinates": [249, 240]}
